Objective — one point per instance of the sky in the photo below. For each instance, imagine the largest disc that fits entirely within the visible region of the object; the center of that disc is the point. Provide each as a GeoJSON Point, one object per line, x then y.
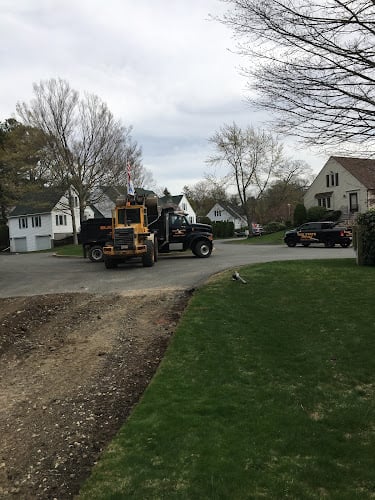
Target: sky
{"type": "Point", "coordinates": [162, 66]}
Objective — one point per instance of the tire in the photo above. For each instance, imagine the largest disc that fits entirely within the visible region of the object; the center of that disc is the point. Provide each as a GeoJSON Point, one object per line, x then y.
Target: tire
{"type": "Point", "coordinates": [96, 254]}
{"type": "Point", "coordinates": [329, 243]}
{"type": "Point", "coordinates": [148, 259]}
{"type": "Point", "coordinates": [291, 243]}
{"type": "Point", "coordinates": [202, 249]}
{"type": "Point", "coordinates": [110, 263]}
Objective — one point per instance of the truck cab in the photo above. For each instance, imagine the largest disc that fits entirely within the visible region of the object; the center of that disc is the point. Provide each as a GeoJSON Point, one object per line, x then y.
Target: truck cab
{"type": "Point", "coordinates": [174, 232]}
{"type": "Point", "coordinates": [130, 234]}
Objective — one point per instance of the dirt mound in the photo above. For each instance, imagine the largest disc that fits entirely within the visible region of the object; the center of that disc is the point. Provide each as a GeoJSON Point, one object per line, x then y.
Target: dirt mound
{"type": "Point", "coordinates": [72, 366]}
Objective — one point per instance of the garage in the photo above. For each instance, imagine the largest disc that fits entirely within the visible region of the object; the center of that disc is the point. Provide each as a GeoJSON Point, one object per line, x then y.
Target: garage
{"type": "Point", "coordinates": [42, 242]}
{"type": "Point", "coordinates": [20, 245]}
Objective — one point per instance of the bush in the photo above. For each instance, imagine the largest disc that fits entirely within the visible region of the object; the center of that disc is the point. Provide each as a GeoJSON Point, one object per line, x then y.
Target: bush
{"type": "Point", "coordinates": [333, 215]}
{"type": "Point", "coordinates": [365, 238]}
{"type": "Point", "coordinates": [223, 229]}
{"type": "Point", "coordinates": [4, 237]}
{"type": "Point", "coordinates": [316, 214]}
{"type": "Point", "coordinates": [299, 215]}
{"type": "Point", "coordinates": [274, 227]}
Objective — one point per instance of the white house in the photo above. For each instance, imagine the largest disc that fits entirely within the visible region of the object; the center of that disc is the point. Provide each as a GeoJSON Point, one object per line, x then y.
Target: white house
{"type": "Point", "coordinates": [179, 203]}
{"type": "Point", "coordinates": [39, 219]}
{"type": "Point", "coordinates": [345, 184]}
{"type": "Point", "coordinates": [105, 199]}
{"type": "Point", "coordinates": [222, 212]}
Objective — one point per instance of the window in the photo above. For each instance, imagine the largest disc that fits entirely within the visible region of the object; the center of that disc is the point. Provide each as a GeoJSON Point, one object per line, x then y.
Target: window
{"type": "Point", "coordinates": [217, 213]}
{"type": "Point", "coordinates": [75, 201]}
{"type": "Point", "coordinates": [61, 220]}
{"type": "Point", "coordinates": [22, 222]}
{"type": "Point", "coordinates": [324, 202]}
{"type": "Point", "coordinates": [353, 202]}
{"type": "Point", "coordinates": [332, 179]}
{"type": "Point", "coordinates": [36, 221]}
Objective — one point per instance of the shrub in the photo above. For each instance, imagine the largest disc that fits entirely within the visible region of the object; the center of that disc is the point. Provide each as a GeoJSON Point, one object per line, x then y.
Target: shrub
{"type": "Point", "coordinates": [273, 227]}
{"type": "Point", "coordinates": [299, 215]}
{"type": "Point", "coordinates": [4, 237]}
{"type": "Point", "coordinates": [333, 215]}
{"type": "Point", "coordinates": [365, 238]}
{"type": "Point", "coordinates": [223, 229]}
{"type": "Point", "coordinates": [316, 214]}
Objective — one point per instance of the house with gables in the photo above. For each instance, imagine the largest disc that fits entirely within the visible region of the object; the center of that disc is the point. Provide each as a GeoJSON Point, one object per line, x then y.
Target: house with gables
{"type": "Point", "coordinates": [227, 213]}
{"type": "Point", "coordinates": [346, 184]}
{"type": "Point", "coordinates": [40, 218]}
{"type": "Point", "coordinates": [179, 203]}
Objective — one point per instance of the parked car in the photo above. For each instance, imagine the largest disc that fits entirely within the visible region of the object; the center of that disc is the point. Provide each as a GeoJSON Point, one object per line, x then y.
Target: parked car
{"type": "Point", "coordinates": [257, 229]}
{"type": "Point", "coordinates": [241, 233]}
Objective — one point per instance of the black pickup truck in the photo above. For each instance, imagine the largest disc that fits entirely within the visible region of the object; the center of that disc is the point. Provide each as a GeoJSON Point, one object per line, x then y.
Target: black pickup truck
{"type": "Point", "coordinates": [326, 232]}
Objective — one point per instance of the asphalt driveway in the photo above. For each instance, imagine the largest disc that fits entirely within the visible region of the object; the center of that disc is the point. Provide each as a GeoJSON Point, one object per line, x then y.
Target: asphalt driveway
{"type": "Point", "coordinates": [41, 273]}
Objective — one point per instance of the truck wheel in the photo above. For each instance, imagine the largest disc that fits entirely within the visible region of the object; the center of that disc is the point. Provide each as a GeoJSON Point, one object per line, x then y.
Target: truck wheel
{"type": "Point", "coordinates": [148, 258]}
{"type": "Point", "coordinates": [202, 249]}
{"type": "Point", "coordinates": [110, 263]}
{"type": "Point", "coordinates": [345, 244]}
{"type": "Point", "coordinates": [96, 254]}
{"type": "Point", "coordinates": [329, 243]}
{"type": "Point", "coordinates": [291, 243]}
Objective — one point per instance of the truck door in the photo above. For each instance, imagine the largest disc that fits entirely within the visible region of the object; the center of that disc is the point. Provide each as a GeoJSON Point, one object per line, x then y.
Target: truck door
{"type": "Point", "coordinates": [177, 228]}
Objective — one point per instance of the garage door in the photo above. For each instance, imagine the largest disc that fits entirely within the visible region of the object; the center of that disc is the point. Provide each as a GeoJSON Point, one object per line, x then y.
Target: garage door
{"type": "Point", "coordinates": [20, 245]}
{"type": "Point", "coordinates": [42, 242]}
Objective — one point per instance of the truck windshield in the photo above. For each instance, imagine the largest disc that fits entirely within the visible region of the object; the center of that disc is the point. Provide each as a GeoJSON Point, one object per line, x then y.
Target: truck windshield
{"type": "Point", "coordinates": [128, 216]}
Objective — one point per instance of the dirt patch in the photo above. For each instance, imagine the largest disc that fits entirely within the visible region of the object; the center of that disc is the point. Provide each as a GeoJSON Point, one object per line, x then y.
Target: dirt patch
{"type": "Point", "coordinates": [72, 366]}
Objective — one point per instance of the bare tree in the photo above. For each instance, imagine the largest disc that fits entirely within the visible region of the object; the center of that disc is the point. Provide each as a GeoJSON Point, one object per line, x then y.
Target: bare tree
{"type": "Point", "coordinates": [204, 194]}
{"type": "Point", "coordinates": [312, 62]}
{"type": "Point", "coordinates": [253, 157]}
{"type": "Point", "coordinates": [86, 146]}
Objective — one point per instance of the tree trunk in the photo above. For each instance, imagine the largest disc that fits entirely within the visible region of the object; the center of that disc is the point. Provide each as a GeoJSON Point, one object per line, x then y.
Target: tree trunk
{"type": "Point", "coordinates": [74, 222]}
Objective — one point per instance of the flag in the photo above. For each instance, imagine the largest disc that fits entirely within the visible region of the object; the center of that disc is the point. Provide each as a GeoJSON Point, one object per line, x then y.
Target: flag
{"type": "Point", "coordinates": [130, 183]}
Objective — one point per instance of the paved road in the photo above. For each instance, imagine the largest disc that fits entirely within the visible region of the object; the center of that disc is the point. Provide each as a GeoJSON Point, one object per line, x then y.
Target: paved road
{"type": "Point", "coordinates": [33, 274]}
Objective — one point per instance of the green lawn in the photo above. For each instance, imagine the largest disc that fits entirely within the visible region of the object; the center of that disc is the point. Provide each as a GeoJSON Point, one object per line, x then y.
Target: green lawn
{"type": "Point", "coordinates": [266, 391]}
{"type": "Point", "coordinates": [265, 239]}
{"type": "Point", "coordinates": [69, 250]}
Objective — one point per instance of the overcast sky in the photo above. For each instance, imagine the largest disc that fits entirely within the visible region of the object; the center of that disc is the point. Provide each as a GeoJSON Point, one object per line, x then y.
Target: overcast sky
{"type": "Point", "coordinates": [161, 66]}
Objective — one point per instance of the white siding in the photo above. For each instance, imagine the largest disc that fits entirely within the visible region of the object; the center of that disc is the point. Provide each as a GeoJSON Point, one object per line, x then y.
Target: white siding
{"type": "Point", "coordinates": [340, 197]}
{"type": "Point", "coordinates": [219, 214]}
{"type": "Point", "coordinates": [188, 209]}
{"type": "Point", "coordinates": [30, 233]}
{"type": "Point", "coordinates": [63, 226]}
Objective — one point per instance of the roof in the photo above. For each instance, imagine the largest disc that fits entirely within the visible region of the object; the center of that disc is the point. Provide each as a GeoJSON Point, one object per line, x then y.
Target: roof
{"type": "Point", "coordinates": [231, 210]}
{"type": "Point", "coordinates": [114, 192]}
{"type": "Point", "coordinates": [361, 168]}
{"type": "Point", "coordinates": [97, 213]}
{"type": "Point", "coordinates": [37, 202]}
{"type": "Point", "coordinates": [168, 201]}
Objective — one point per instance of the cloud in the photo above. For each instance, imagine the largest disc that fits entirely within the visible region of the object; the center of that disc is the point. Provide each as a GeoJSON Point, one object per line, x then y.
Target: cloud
{"type": "Point", "coordinates": [161, 66]}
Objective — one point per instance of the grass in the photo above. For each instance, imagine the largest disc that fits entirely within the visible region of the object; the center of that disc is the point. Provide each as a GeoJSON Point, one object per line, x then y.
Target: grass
{"type": "Point", "coordinates": [266, 391]}
{"type": "Point", "coordinates": [69, 250]}
{"type": "Point", "coordinates": [265, 239]}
